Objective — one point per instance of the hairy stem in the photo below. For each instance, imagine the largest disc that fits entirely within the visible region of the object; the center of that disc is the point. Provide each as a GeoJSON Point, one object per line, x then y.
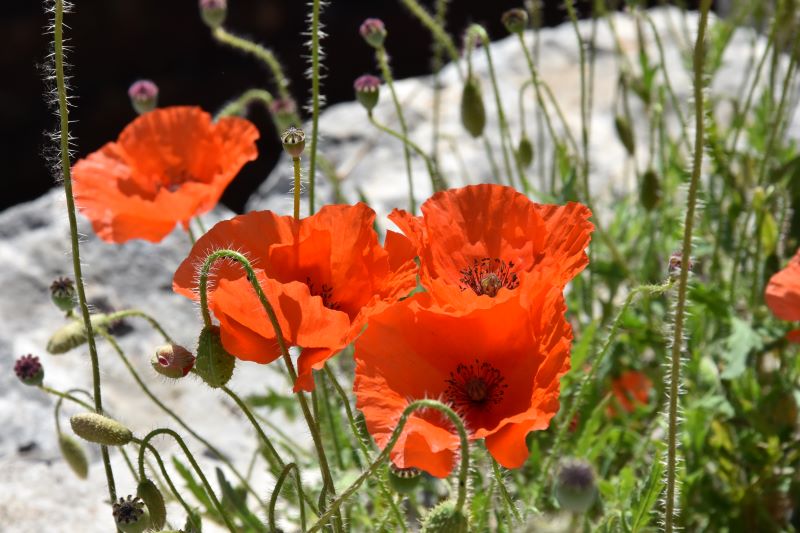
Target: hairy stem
{"type": "Point", "coordinates": [316, 6]}
{"type": "Point", "coordinates": [261, 53]}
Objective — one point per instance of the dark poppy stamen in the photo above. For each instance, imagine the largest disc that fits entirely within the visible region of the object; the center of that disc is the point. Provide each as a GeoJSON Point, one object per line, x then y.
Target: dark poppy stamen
{"type": "Point", "coordinates": [489, 275]}
{"type": "Point", "coordinates": [477, 385]}
{"type": "Point", "coordinates": [325, 292]}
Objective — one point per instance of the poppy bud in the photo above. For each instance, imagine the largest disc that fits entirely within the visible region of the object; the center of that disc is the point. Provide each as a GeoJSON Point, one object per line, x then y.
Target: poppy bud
{"type": "Point", "coordinates": [213, 12]}
{"type": "Point", "coordinates": [367, 91]}
{"type": "Point", "coordinates": [445, 519]}
{"type": "Point", "coordinates": [675, 262]}
{"type": "Point", "coordinates": [515, 20]}
{"type": "Point", "coordinates": [575, 485]}
{"type": "Point", "coordinates": [650, 193]}
{"type": "Point", "coordinates": [130, 515]}
{"type": "Point", "coordinates": [625, 134]}
{"type": "Point", "coordinates": [404, 480]}
{"type": "Point", "coordinates": [373, 31]}
{"type": "Point", "coordinates": [100, 429]}
{"type": "Point", "coordinates": [473, 113]}
{"type": "Point", "coordinates": [152, 498]}
{"type": "Point", "coordinates": [475, 36]}
{"type": "Point", "coordinates": [172, 361]}
{"type": "Point", "coordinates": [525, 151]}
{"type": "Point", "coordinates": [143, 95]}
{"type": "Point", "coordinates": [73, 454]}
{"type": "Point", "coordinates": [74, 334]}
{"type": "Point", "coordinates": [294, 141]}
{"type": "Point", "coordinates": [29, 370]}
{"type": "Point", "coordinates": [214, 364]}
{"type": "Point", "coordinates": [62, 292]}
{"type": "Point", "coordinates": [284, 112]}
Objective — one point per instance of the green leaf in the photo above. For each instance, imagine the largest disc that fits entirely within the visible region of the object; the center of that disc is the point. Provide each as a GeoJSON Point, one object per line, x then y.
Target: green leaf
{"type": "Point", "coordinates": [769, 234]}
{"type": "Point", "coordinates": [648, 496]}
{"type": "Point", "coordinates": [234, 501]}
{"type": "Point", "coordinates": [196, 489]}
{"type": "Point", "coordinates": [742, 340]}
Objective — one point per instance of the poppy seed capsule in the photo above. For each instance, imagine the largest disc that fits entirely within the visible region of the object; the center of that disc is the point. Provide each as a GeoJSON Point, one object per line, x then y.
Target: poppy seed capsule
{"type": "Point", "coordinates": [625, 134]}
{"type": "Point", "coordinates": [575, 485]}
{"type": "Point", "coordinates": [294, 141]}
{"type": "Point", "coordinates": [73, 454]}
{"type": "Point", "coordinates": [473, 112]}
{"type": "Point", "coordinates": [445, 519]}
{"type": "Point", "coordinates": [172, 361]}
{"type": "Point", "coordinates": [29, 370]}
{"type": "Point", "coordinates": [152, 498]}
{"type": "Point", "coordinates": [130, 515]}
{"type": "Point", "coordinates": [525, 151]}
{"type": "Point", "coordinates": [515, 20]}
{"type": "Point", "coordinates": [143, 95]}
{"type": "Point", "coordinates": [100, 429]}
{"type": "Point", "coordinates": [404, 480]}
{"type": "Point", "coordinates": [62, 292]}
{"type": "Point", "coordinates": [373, 31]}
{"type": "Point", "coordinates": [367, 91]}
{"type": "Point", "coordinates": [213, 12]}
{"type": "Point", "coordinates": [213, 364]}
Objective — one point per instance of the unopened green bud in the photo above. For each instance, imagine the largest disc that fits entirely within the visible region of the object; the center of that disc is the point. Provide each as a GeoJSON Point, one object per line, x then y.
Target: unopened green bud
{"type": "Point", "coordinates": [476, 35]}
{"type": "Point", "coordinates": [62, 292]}
{"type": "Point", "coordinates": [473, 112]}
{"type": "Point", "coordinates": [525, 151]}
{"type": "Point", "coordinates": [73, 454]}
{"type": "Point", "coordinates": [367, 91]}
{"type": "Point", "coordinates": [152, 498]}
{"type": "Point", "coordinates": [575, 485]}
{"type": "Point", "coordinates": [444, 518]}
{"type": "Point", "coordinates": [625, 134]}
{"type": "Point", "coordinates": [214, 364]}
{"type": "Point", "coordinates": [130, 515]}
{"type": "Point", "coordinates": [515, 20]}
{"type": "Point", "coordinates": [172, 361]}
{"type": "Point", "coordinates": [294, 141]}
{"type": "Point", "coordinates": [213, 12]}
{"type": "Point", "coordinates": [100, 429]}
{"type": "Point", "coordinates": [404, 480]}
{"type": "Point", "coordinates": [650, 193]}
{"type": "Point", "coordinates": [74, 334]}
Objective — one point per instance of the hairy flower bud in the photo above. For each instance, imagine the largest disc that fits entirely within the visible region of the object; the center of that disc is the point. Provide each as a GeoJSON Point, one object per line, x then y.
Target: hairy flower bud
{"type": "Point", "coordinates": [74, 334]}
{"type": "Point", "coordinates": [367, 91]}
{"type": "Point", "coordinates": [214, 364]}
{"type": "Point", "coordinates": [675, 263]}
{"type": "Point", "coordinates": [625, 134]}
{"type": "Point", "coordinates": [515, 20]}
{"type": "Point", "coordinates": [373, 31]}
{"type": "Point", "coordinates": [294, 141]}
{"type": "Point", "coordinates": [445, 519]}
{"type": "Point", "coordinates": [73, 454]}
{"type": "Point", "coordinates": [525, 151]}
{"type": "Point", "coordinates": [172, 361]}
{"type": "Point", "coordinates": [473, 112]}
{"type": "Point", "coordinates": [62, 292]}
{"type": "Point", "coordinates": [29, 370]}
{"type": "Point", "coordinates": [284, 112]}
{"type": "Point", "coordinates": [130, 515]}
{"type": "Point", "coordinates": [213, 12]}
{"type": "Point", "coordinates": [650, 193]}
{"type": "Point", "coordinates": [404, 480]}
{"type": "Point", "coordinates": [152, 498]}
{"type": "Point", "coordinates": [100, 429]}
{"type": "Point", "coordinates": [143, 95]}
{"type": "Point", "coordinates": [575, 485]}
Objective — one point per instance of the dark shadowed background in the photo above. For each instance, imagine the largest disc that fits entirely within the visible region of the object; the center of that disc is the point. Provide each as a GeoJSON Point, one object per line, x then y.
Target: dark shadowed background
{"type": "Point", "coordinates": [116, 42]}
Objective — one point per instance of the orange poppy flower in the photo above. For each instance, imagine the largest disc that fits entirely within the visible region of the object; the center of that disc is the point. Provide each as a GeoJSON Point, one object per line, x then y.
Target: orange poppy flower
{"type": "Point", "coordinates": [324, 275]}
{"type": "Point", "coordinates": [485, 243]}
{"type": "Point", "coordinates": [166, 167]}
{"type": "Point", "coordinates": [783, 291]}
{"type": "Point", "coordinates": [499, 368]}
{"type": "Point", "coordinates": [631, 388]}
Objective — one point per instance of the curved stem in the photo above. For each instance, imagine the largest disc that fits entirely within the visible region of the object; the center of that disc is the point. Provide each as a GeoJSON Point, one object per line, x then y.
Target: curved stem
{"type": "Point", "coordinates": [164, 472]}
{"type": "Point", "coordinates": [437, 31]}
{"type": "Point", "coordinates": [67, 396]}
{"type": "Point", "coordinates": [277, 490]}
{"type": "Point", "coordinates": [315, 33]}
{"type": "Point", "coordinates": [238, 106]}
{"type": "Point", "coordinates": [140, 314]}
{"type": "Point", "coordinates": [261, 53]}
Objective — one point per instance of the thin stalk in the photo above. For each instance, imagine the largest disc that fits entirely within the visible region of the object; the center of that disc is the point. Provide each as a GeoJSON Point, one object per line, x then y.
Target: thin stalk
{"type": "Point", "coordinates": [437, 31]}
{"type": "Point", "coordinates": [125, 313]}
{"type": "Point", "coordinates": [316, 6]}
{"type": "Point", "coordinates": [258, 51]}
{"type": "Point", "coordinates": [238, 106]}
{"type": "Point", "coordinates": [332, 423]}
{"type": "Point", "coordinates": [167, 477]}
{"type": "Point", "coordinates": [66, 396]}
{"type": "Point", "coordinates": [277, 490]}
{"type": "Point", "coordinates": [509, 502]}
{"type": "Point", "coordinates": [436, 66]}
{"type": "Point", "coordinates": [573, 16]}
{"type": "Point", "coordinates": [296, 192]}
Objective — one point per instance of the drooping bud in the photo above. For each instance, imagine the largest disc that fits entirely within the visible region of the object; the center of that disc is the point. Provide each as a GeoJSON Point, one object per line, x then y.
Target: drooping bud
{"type": "Point", "coordinates": [475, 36]}
{"type": "Point", "coordinates": [650, 193]}
{"type": "Point", "coordinates": [675, 263]}
{"type": "Point", "coordinates": [404, 480]}
{"type": "Point", "coordinates": [100, 429]}
{"type": "Point", "coordinates": [294, 141]}
{"type": "Point", "coordinates": [367, 91]}
{"type": "Point", "coordinates": [62, 292]}
{"type": "Point", "coordinates": [130, 515]}
{"type": "Point", "coordinates": [525, 151]}
{"type": "Point", "coordinates": [214, 364]}
{"type": "Point", "coordinates": [213, 12]}
{"type": "Point", "coordinates": [444, 518]}
{"type": "Point", "coordinates": [172, 361]}
{"type": "Point", "coordinates": [515, 20]}
{"type": "Point", "coordinates": [473, 112]}
{"type": "Point", "coordinates": [143, 95]}
{"type": "Point", "coordinates": [152, 498]}
{"type": "Point", "coordinates": [29, 370]}
{"type": "Point", "coordinates": [284, 112]}
{"type": "Point", "coordinates": [373, 31]}
{"type": "Point", "coordinates": [73, 454]}
{"type": "Point", "coordinates": [74, 334]}
{"type": "Point", "coordinates": [575, 485]}
{"type": "Point", "coordinates": [625, 134]}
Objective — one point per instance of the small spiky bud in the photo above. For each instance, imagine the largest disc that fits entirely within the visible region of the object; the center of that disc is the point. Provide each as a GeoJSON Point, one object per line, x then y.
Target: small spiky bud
{"type": "Point", "coordinates": [525, 151]}
{"type": "Point", "coordinates": [650, 193]}
{"type": "Point", "coordinates": [284, 112]}
{"type": "Point", "coordinates": [172, 361]}
{"type": "Point", "coordinates": [575, 485]}
{"type": "Point", "coordinates": [74, 334]}
{"type": "Point", "coordinates": [367, 91]}
{"type": "Point", "coordinates": [515, 20]}
{"type": "Point", "coordinates": [62, 292]}
{"type": "Point", "coordinates": [373, 31]}
{"type": "Point", "coordinates": [294, 141]}
{"type": "Point", "coordinates": [444, 518]}
{"type": "Point", "coordinates": [29, 370]}
{"type": "Point", "coordinates": [100, 429]}
{"type": "Point", "coordinates": [403, 480]}
{"type": "Point", "coordinates": [213, 12]}
{"type": "Point", "coordinates": [213, 364]}
{"type": "Point", "coordinates": [143, 95]}
{"type": "Point", "coordinates": [152, 498]}
{"type": "Point", "coordinates": [73, 454]}
{"type": "Point", "coordinates": [130, 515]}
{"type": "Point", "coordinates": [675, 263]}
{"type": "Point", "coordinates": [473, 112]}
{"type": "Point", "coordinates": [625, 134]}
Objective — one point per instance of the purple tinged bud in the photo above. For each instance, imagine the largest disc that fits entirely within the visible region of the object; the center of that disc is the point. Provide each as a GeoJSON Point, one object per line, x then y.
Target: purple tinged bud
{"type": "Point", "coordinates": [575, 485]}
{"type": "Point", "coordinates": [373, 31]}
{"type": "Point", "coordinates": [367, 91]}
{"type": "Point", "coordinates": [29, 370]}
{"type": "Point", "coordinates": [675, 263]}
{"type": "Point", "coordinates": [213, 12]}
{"type": "Point", "coordinates": [143, 95]}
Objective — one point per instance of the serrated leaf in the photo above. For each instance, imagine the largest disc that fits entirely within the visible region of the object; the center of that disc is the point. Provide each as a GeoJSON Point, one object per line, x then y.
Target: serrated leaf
{"type": "Point", "coordinates": [742, 340]}
{"type": "Point", "coordinates": [648, 496]}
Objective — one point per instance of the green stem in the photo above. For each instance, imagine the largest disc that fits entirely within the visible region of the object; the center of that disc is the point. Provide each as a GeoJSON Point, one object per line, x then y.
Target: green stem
{"type": "Point", "coordinates": [509, 502]}
{"type": "Point", "coordinates": [238, 106]}
{"type": "Point", "coordinates": [125, 313]}
{"type": "Point", "coordinates": [277, 490]}
{"type": "Point", "coordinates": [296, 167]}
{"type": "Point", "coordinates": [63, 115]}
{"type": "Point", "coordinates": [316, 6]}
{"type": "Point", "coordinates": [167, 477]}
{"type": "Point", "coordinates": [261, 53]}
{"type": "Point", "coordinates": [66, 396]}
{"type": "Point", "coordinates": [437, 31]}
{"type": "Point", "coordinates": [570, 5]}
{"type": "Point", "coordinates": [505, 136]}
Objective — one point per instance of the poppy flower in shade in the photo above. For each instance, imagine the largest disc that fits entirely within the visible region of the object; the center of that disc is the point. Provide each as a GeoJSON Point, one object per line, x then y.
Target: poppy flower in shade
{"type": "Point", "coordinates": [499, 368]}
{"type": "Point", "coordinates": [783, 291]}
{"type": "Point", "coordinates": [793, 336]}
{"type": "Point", "coordinates": [324, 275]}
{"type": "Point", "coordinates": [166, 167]}
{"type": "Point", "coordinates": [484, 243]}
{"type": "Point", "coordinates": [630, 389]}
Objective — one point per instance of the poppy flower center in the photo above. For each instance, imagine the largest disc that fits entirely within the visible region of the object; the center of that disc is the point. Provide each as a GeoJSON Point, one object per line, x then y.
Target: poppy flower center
{"type": "Point", "coordinates": [475, 386]}
{"type": "Point", "coordinates": [325, 292]}
{"type": "Point", "coordinates": [489, 275]}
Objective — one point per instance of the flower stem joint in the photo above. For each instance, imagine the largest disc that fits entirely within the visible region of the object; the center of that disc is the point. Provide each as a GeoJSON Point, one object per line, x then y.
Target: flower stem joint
{"type": "Point", "coordinates": [143, 95]}
{"type": "Point", "coordinates": [367, 89]}
{"type": "Point", "coordinates": [294, 141]}
{"type": "Point", "coordinates": [373, 31]}
{"type": "Point", "coordinates": [29, 370]}
{"type": "Point", "coordinates": [213, 12]}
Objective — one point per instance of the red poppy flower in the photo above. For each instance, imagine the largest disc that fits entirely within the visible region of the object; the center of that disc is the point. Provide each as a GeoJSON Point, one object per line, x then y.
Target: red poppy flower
{"type": "Point", "coordinates": [793, 336]}
{"type": "Point", "coordinates": [631, 388]}
{"type": "Point", "coordinates": [324, 275]}
{"type": "Point", "coordinates": [499, 368]}
{"type": "Point", "coordinates": [783, 291]}
{"type": "Point", "coordinates": [484, 243]}
{"type": "Point", "coordinates": [166, 167]}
